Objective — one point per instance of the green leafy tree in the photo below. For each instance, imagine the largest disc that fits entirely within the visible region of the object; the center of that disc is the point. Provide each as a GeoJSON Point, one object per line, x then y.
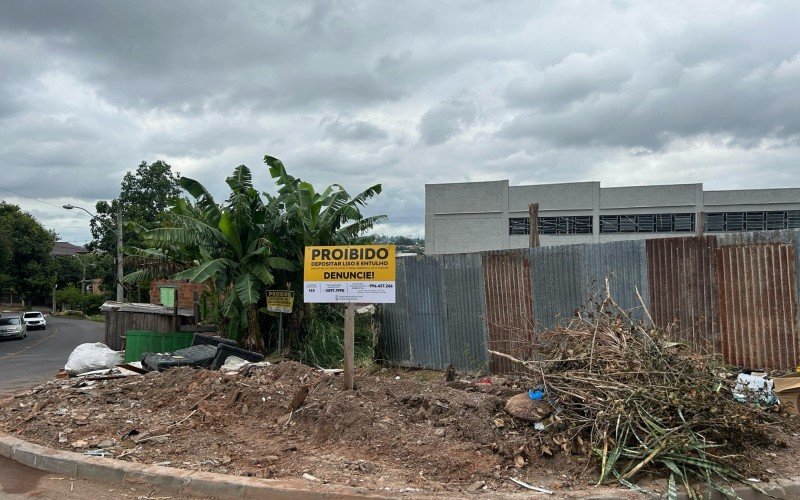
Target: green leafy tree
{"type": "Point", "coordinates": [248, 243]}
{"type": "Point", "coordinates": [228, 247]}
{"type": "Point", "coordinates": [145, 195]}
{"type": "Point", "coordinates": [68, 270]}
{"type": "Point", "coordinates": [304, 217]}
{"type": "Point", "coordinates": [26, 261]}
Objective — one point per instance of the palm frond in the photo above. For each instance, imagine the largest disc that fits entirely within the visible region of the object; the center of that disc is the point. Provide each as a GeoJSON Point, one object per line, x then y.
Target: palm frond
{"type": "Point", "coordinates": [247, 288]}
{"type": "Point", "coordinates": [203, 271]}
{"type": "Point", "coordinates": [204, 199]}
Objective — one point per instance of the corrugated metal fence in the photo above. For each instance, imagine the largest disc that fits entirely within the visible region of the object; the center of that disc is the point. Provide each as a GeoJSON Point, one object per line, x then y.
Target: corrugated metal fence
{"type": "Point", "coordinates": [734, 294]}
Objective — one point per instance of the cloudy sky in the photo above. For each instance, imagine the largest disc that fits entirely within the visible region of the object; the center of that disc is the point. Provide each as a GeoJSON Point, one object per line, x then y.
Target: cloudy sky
{"type": "Point", "coordinates": [402, 93]}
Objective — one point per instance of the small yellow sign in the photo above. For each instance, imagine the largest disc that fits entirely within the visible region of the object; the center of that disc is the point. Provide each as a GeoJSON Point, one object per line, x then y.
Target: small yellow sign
{"type": "Point", "coordinates": [280, 301]}
{"type": "Point", "coordinates": [351, 273]}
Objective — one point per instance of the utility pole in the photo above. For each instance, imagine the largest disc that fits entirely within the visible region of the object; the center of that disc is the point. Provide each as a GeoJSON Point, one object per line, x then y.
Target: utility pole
{"type": "Point", "coordinates": [83, 280]}
{"type": "Point", "coordinates": [120, 294]}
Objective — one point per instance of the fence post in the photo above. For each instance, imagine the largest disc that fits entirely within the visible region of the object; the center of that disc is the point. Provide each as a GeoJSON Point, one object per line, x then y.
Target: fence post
{"type": "Point", "coordinates": [533, 209]}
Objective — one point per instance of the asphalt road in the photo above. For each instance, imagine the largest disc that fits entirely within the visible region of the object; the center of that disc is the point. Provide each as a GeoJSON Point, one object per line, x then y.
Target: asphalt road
{"type": "Point", "coordinates": [30, 361]}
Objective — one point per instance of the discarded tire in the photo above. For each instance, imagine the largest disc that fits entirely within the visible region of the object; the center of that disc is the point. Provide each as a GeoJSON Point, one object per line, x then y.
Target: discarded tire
{"type": "Point", "coordinates": [225, 351]}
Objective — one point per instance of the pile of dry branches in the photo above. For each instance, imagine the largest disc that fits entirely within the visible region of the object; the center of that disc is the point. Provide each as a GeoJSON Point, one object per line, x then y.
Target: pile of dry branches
{"type": "Point", "coordinates": [634, 400]}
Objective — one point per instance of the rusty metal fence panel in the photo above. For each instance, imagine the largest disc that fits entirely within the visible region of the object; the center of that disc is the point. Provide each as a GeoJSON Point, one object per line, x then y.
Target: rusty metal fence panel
{"type": "Point", "coordinates": [734, 294]}
{"type": "Point", "coordinates": [683, 289]}
{"type": "Point", "coordinates": [465, 300]}
{"type": "Point", "coordinates": [509, 310]}
{"type": "Point", "coordinates": [758, 305]}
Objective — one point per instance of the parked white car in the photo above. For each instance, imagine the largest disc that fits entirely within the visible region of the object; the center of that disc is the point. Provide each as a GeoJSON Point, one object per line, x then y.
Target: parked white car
{"type": "Point", "coordinates": [34, 320]}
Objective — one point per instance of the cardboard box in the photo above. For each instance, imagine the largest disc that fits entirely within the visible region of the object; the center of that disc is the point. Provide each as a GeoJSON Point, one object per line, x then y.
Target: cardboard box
{"type": "Point", "coordinates": [787, 388]}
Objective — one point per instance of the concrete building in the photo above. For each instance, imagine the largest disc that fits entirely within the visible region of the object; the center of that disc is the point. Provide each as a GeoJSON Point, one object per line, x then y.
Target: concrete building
{"type": "Point", "coordinates": [477, 216]}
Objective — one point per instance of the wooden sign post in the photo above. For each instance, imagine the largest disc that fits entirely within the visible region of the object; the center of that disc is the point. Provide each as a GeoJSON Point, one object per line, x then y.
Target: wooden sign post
{"type": "Point", "coordinates": [349, 345]}
{"type": "Point", "coordinates": [352, 274]}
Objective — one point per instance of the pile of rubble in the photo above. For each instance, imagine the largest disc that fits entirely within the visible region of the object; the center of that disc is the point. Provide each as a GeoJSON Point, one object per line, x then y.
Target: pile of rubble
{"type": "Point", "coordinates": [609, 399]}
{"type": "Point", "coordinates": [631, 399]}
{"type": "Point", "coordinates": [398, 430]}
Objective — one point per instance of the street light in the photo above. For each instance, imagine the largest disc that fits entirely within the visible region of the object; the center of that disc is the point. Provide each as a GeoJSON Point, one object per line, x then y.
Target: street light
{"type": "Point", "coordinates": [120, 297]}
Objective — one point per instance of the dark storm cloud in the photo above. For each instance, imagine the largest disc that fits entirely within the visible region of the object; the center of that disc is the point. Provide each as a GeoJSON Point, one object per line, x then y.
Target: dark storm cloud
{"type": "Point", "coordinates": [446, 119]}
{"type": "Point", "coordinates": [357, 130]}
{"type": "Point", "coordinates": [729, 76]}
{"type": "Point", "coordinates": [403, 93]}
{"type": "Point", "coordinates": [717, 97]}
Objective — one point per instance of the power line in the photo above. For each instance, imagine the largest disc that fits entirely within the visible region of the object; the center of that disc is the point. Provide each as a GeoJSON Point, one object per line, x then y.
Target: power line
{"type": "Point", "coordinates": [29, 197]}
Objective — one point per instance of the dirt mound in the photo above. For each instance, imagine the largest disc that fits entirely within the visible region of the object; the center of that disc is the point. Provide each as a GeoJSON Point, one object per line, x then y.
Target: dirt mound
{"type": "Point", "coordinates": [390, 435]}
{"type": "Point", "coordinates": [415, 435]}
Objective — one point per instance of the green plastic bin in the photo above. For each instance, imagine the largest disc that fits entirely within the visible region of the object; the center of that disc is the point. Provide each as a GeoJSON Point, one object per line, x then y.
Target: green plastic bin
{"type": "Point", "coordinates": [139, 341]}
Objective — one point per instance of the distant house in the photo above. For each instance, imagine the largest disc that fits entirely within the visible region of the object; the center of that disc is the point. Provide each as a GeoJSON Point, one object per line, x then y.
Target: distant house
{"type": "Point", "coordinates": [94, 286]}
{"type": "Point", "coordinates": [68, 249]}
{"type": "Point", "coordinates": [162, 292]}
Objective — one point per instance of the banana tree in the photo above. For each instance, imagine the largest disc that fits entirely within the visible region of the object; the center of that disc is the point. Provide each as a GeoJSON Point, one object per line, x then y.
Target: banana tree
{"type": "Point", "coordinates": [229, 247]}
{"type": "Point", "coordinates": [306, 217]}
{"type": "Point", "coordinates": [303, 217]}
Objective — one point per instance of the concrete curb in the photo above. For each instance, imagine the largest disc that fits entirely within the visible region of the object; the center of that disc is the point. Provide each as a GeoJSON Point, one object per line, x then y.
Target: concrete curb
{"type": "Point", "coordinates": [181, 482]}
{"type": "Point", "coordinates": [178, 482]}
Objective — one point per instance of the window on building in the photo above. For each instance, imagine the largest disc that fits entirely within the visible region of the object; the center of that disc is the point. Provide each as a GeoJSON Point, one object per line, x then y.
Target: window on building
{"type": "Point", "coordinates": [519, 225]}
{"type": "Point", "coordinates": [647, 223]}
{"type": "Point", "coordinates": [717, 222]}
{"type": "Point", "coordinates": [167, 296]}
{"type": "Point", "coordinates": [552, 225]}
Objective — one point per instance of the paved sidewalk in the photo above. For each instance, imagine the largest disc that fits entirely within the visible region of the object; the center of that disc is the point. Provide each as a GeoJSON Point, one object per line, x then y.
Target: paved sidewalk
{"type": "Point", "coordinates": [120, 476]}
{"type": "Point", "coordinates": [18, 481]}
{"type": "Point", "coordinates": [171, 481]}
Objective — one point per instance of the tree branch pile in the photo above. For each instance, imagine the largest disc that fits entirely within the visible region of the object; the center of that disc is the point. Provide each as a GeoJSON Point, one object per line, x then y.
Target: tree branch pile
{"type": "Point", "coordinates": [624, 393]}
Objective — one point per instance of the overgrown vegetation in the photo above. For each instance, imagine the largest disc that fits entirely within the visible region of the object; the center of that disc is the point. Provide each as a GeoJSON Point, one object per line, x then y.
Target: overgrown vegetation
{"type": "Point", "coordinates": [403, 244]}
{"type": "Point", "coordinates": [253, 242]}
{"type": "Point", "coordinates": [71, 298]}
{"type": "Point", "coordinates": [324, 345]}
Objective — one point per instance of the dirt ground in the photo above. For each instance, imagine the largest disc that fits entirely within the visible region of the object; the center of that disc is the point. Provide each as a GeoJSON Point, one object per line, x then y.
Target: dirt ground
{"type": "Point", "coordinates": [401, 432]}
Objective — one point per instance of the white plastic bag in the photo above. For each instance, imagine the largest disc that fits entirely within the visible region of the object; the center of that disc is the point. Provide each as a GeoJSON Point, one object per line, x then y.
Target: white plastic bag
{"type": "Point", "coordinates": [89, 357]}
{"type": "Point", "coordinates": [233, 364]}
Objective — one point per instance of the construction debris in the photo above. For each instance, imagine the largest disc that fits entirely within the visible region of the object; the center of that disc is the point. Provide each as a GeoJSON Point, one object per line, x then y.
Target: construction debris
{"type": "Point", "coordinates": [607, 398]}
{"type": "Point", "coordinates": [625, 394]}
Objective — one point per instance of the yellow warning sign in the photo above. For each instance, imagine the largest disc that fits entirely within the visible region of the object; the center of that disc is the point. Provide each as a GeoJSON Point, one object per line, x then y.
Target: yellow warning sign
{"type": "Point", "coordinates": [280, 301]}
{"type": "Point", "coordinates": [352, 273]}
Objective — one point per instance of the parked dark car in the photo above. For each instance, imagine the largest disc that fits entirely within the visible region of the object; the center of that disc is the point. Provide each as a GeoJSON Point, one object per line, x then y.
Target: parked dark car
{"type": "Point", "coordinates": [13, 327]}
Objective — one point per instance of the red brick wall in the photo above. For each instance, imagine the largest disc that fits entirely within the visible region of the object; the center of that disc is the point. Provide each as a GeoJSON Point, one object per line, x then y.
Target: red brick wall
{"type": "Point", "coordinates": [187, 292]}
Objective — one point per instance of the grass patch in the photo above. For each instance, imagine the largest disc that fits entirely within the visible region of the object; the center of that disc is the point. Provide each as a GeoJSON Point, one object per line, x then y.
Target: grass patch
{"type": "Point", "coordinates": [98, 317]}
{"type": "Point", "coordinates": [324, 345]}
